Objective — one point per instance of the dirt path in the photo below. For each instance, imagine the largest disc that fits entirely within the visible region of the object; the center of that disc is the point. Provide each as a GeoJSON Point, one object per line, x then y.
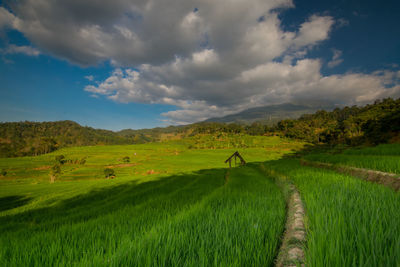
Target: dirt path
{"type": "Point", "coordinates": [388, 179]}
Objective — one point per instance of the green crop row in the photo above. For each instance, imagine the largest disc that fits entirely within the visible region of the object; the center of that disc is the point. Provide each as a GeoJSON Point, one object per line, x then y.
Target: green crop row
{"type": "Point", "coordinates": [374, 162]}
{"type": "Point", "coordinates": [350, 222]}
{"type": "Point", "coordinates": [206, 218]}
{"type": "Point", "coordinates": [380, 150]}
{"type": "Point", "coordinates": [153, 158]}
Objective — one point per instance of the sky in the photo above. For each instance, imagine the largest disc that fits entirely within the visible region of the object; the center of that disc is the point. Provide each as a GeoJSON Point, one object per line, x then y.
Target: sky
{"type": "Point", "coordinates": [146, 63]}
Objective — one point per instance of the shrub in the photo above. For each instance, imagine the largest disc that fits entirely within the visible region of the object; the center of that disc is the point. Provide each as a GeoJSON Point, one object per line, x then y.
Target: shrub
{"type": "Point", "coordinates": [61, 159]}
{"type": "Point", "coordinates": [54, 172]}
{"type": "Point", "coordinates": [126, 159]}
{"type": "Point", "coordinates": [109, 173]}
{"type": "Point", "coordinates": [55, 169]}
{"type": "Point", "coordinates": [3, 172]}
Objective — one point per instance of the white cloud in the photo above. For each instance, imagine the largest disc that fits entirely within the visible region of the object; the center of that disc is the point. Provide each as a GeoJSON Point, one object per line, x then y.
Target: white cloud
{"type": "Point", "coordinates": [27, 50]}
{"type": "Point", "coordinates": [336, 59]}
{"type": "Point", "coordinates": [313, 31]}
{"type": "Point", "coordinates": [269, 83]}
{"type": "Point", "coordinates": [6, 18]}
{"type": "Point", "coordinates": [208, 58]}
{"type": "Point", "coordinates": [89, 78]}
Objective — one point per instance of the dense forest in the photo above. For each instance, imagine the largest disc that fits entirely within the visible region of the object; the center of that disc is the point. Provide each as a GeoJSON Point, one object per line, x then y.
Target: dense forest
{"type": "Point", "coordinates": [34, 138]}
{"type": "Point", "coordinates": [372, 124]}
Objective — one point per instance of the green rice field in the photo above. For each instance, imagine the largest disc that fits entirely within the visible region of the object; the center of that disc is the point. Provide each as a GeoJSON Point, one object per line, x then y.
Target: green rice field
{"type": "Point", "coordinates": [350, 222]}
{"type": "Point", "coordinates": [169, 206]}
{"type": "Point", "coordinates": [177, 203]}
{"type": "Point", "coordinates": [384, 158]}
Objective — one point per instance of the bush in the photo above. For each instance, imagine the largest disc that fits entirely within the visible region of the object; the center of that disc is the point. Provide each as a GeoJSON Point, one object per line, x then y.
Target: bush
{"type": "Point", "coordinates": [109, 173]}
{"type": "Point", "coordinates": [61, 159]}
{"type": "Point", "coordinates": [126, 159]}
{"type": "Point", "coordinates": [54, 172]}
{"type": "Point", "coordinates": [3, 172]}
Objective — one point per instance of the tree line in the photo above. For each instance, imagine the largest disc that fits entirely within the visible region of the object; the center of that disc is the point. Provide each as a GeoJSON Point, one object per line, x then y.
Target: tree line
{"type": "Point", "coordinates": [35, 138]}
{"type": "Point", "coordinates": [374, 123]}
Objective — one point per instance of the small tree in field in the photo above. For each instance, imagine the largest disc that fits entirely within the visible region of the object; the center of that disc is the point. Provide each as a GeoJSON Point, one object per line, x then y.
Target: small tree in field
{"type": "Point", "coordinates": [126, 159]}
{"type": "Point", "coordinates": [61, 159]}
{"type": "Point", "coordinates": [55, 171]}
{"type": "Point", "coordinates": [109, 173]}
{"type": "Point", "coordinates": [3, 172]}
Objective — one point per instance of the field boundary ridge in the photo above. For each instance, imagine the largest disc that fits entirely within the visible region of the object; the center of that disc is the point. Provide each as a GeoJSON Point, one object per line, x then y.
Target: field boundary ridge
{"type": "Point", "coordinates": [391, 180]}
{"type": "Point", "coordinates": [293, 240]}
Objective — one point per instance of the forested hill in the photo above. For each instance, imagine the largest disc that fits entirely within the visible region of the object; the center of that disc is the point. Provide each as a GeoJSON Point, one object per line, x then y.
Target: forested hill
{"type": "Point", "coordinates": [34, 138]}
{"type": "Point", "coordinates": [374, 123]}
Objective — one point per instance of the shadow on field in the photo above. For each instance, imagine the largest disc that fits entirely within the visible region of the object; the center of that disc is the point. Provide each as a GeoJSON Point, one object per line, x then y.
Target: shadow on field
{"type": "Point", "coordinates": [11, 202]}
{"type": "Point", "coordinates": [99, 203]}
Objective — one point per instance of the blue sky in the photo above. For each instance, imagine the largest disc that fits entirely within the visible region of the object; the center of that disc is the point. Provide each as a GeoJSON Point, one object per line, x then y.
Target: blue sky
{"type": "Point", "coordinates": [132, 66]}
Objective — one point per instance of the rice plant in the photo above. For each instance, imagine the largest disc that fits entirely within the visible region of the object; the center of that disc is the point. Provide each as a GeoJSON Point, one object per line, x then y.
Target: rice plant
{"type": "Point", "coordinates": [384, 158]}
{"type": "Point", "coordinates": [350, 222]}
{"type": "Point", "coordinates": [206, 218]}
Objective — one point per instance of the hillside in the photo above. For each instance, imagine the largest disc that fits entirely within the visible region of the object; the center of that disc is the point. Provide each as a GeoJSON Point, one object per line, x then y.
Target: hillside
{"type": "Point", "coordinates": [374, 123]}
{"type": "Point", "coordinates": [34, 138]}
{"type": "Point", "coordinates": [269, 115]}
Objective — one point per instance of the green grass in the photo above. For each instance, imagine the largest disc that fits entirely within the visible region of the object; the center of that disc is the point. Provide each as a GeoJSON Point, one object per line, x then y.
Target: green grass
{"type": "Point", "coordinates": [350, 222]}
{"type": "Point", "coordinates": [239, 224]}
{"type": "Point", "coordinates": [384, 158]}
{"type": "Point", "coordinates": [170, 205]}
{"type": "Point", "coordinates": [197, 219]}
{"type": "Point", "coordinates": [163, 158]}
{"type": "Point", "coordinates": [29, 176]}
{"type": "Point", "coordinates": [380, 150]}
{"type": "Point", "coordinates": [177, 204]}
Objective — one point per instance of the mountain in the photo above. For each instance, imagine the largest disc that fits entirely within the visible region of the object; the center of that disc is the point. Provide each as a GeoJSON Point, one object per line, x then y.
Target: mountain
{"type": "Point", "coordinates": [269, 114]}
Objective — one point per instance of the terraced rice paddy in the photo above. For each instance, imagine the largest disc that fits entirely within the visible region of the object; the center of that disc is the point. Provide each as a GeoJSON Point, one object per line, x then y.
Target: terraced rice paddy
{"type": "Point", "coordinates": [384, 158]}
{"type": "Point", "coordinates": [166, 207]}
{"type": "Point", "coordinates": [349, 222]}
{"type": "Point", "coordinates": [175, 204]}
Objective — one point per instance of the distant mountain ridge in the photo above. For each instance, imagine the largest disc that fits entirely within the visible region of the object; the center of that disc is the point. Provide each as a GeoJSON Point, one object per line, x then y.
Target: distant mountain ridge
{"type": "Point", "coordinates": [270, 114]}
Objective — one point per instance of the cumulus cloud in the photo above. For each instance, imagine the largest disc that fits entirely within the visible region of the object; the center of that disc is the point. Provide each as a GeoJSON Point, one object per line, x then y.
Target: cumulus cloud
{"type": "Point", "coordinates": [273, 82]}
{"type": "Point", "coordinates": [7, 19]}
{"type": "Point", "coordinates": [207, 58]}
{"type": "Point", "coordinates": [314, 30]}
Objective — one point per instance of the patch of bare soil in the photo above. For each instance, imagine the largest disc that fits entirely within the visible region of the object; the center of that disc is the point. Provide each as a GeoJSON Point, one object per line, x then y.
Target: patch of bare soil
{"type": "Point", "coordinates": [124, 165]}
{"type": "Point", "coordinates": [388, 179]}
{"type": "Point", "coordinates": [42, 168]}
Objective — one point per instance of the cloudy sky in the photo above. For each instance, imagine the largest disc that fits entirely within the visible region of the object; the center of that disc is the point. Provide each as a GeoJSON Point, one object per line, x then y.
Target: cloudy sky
{"type": "Point", "coordinates": [144, 63]}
